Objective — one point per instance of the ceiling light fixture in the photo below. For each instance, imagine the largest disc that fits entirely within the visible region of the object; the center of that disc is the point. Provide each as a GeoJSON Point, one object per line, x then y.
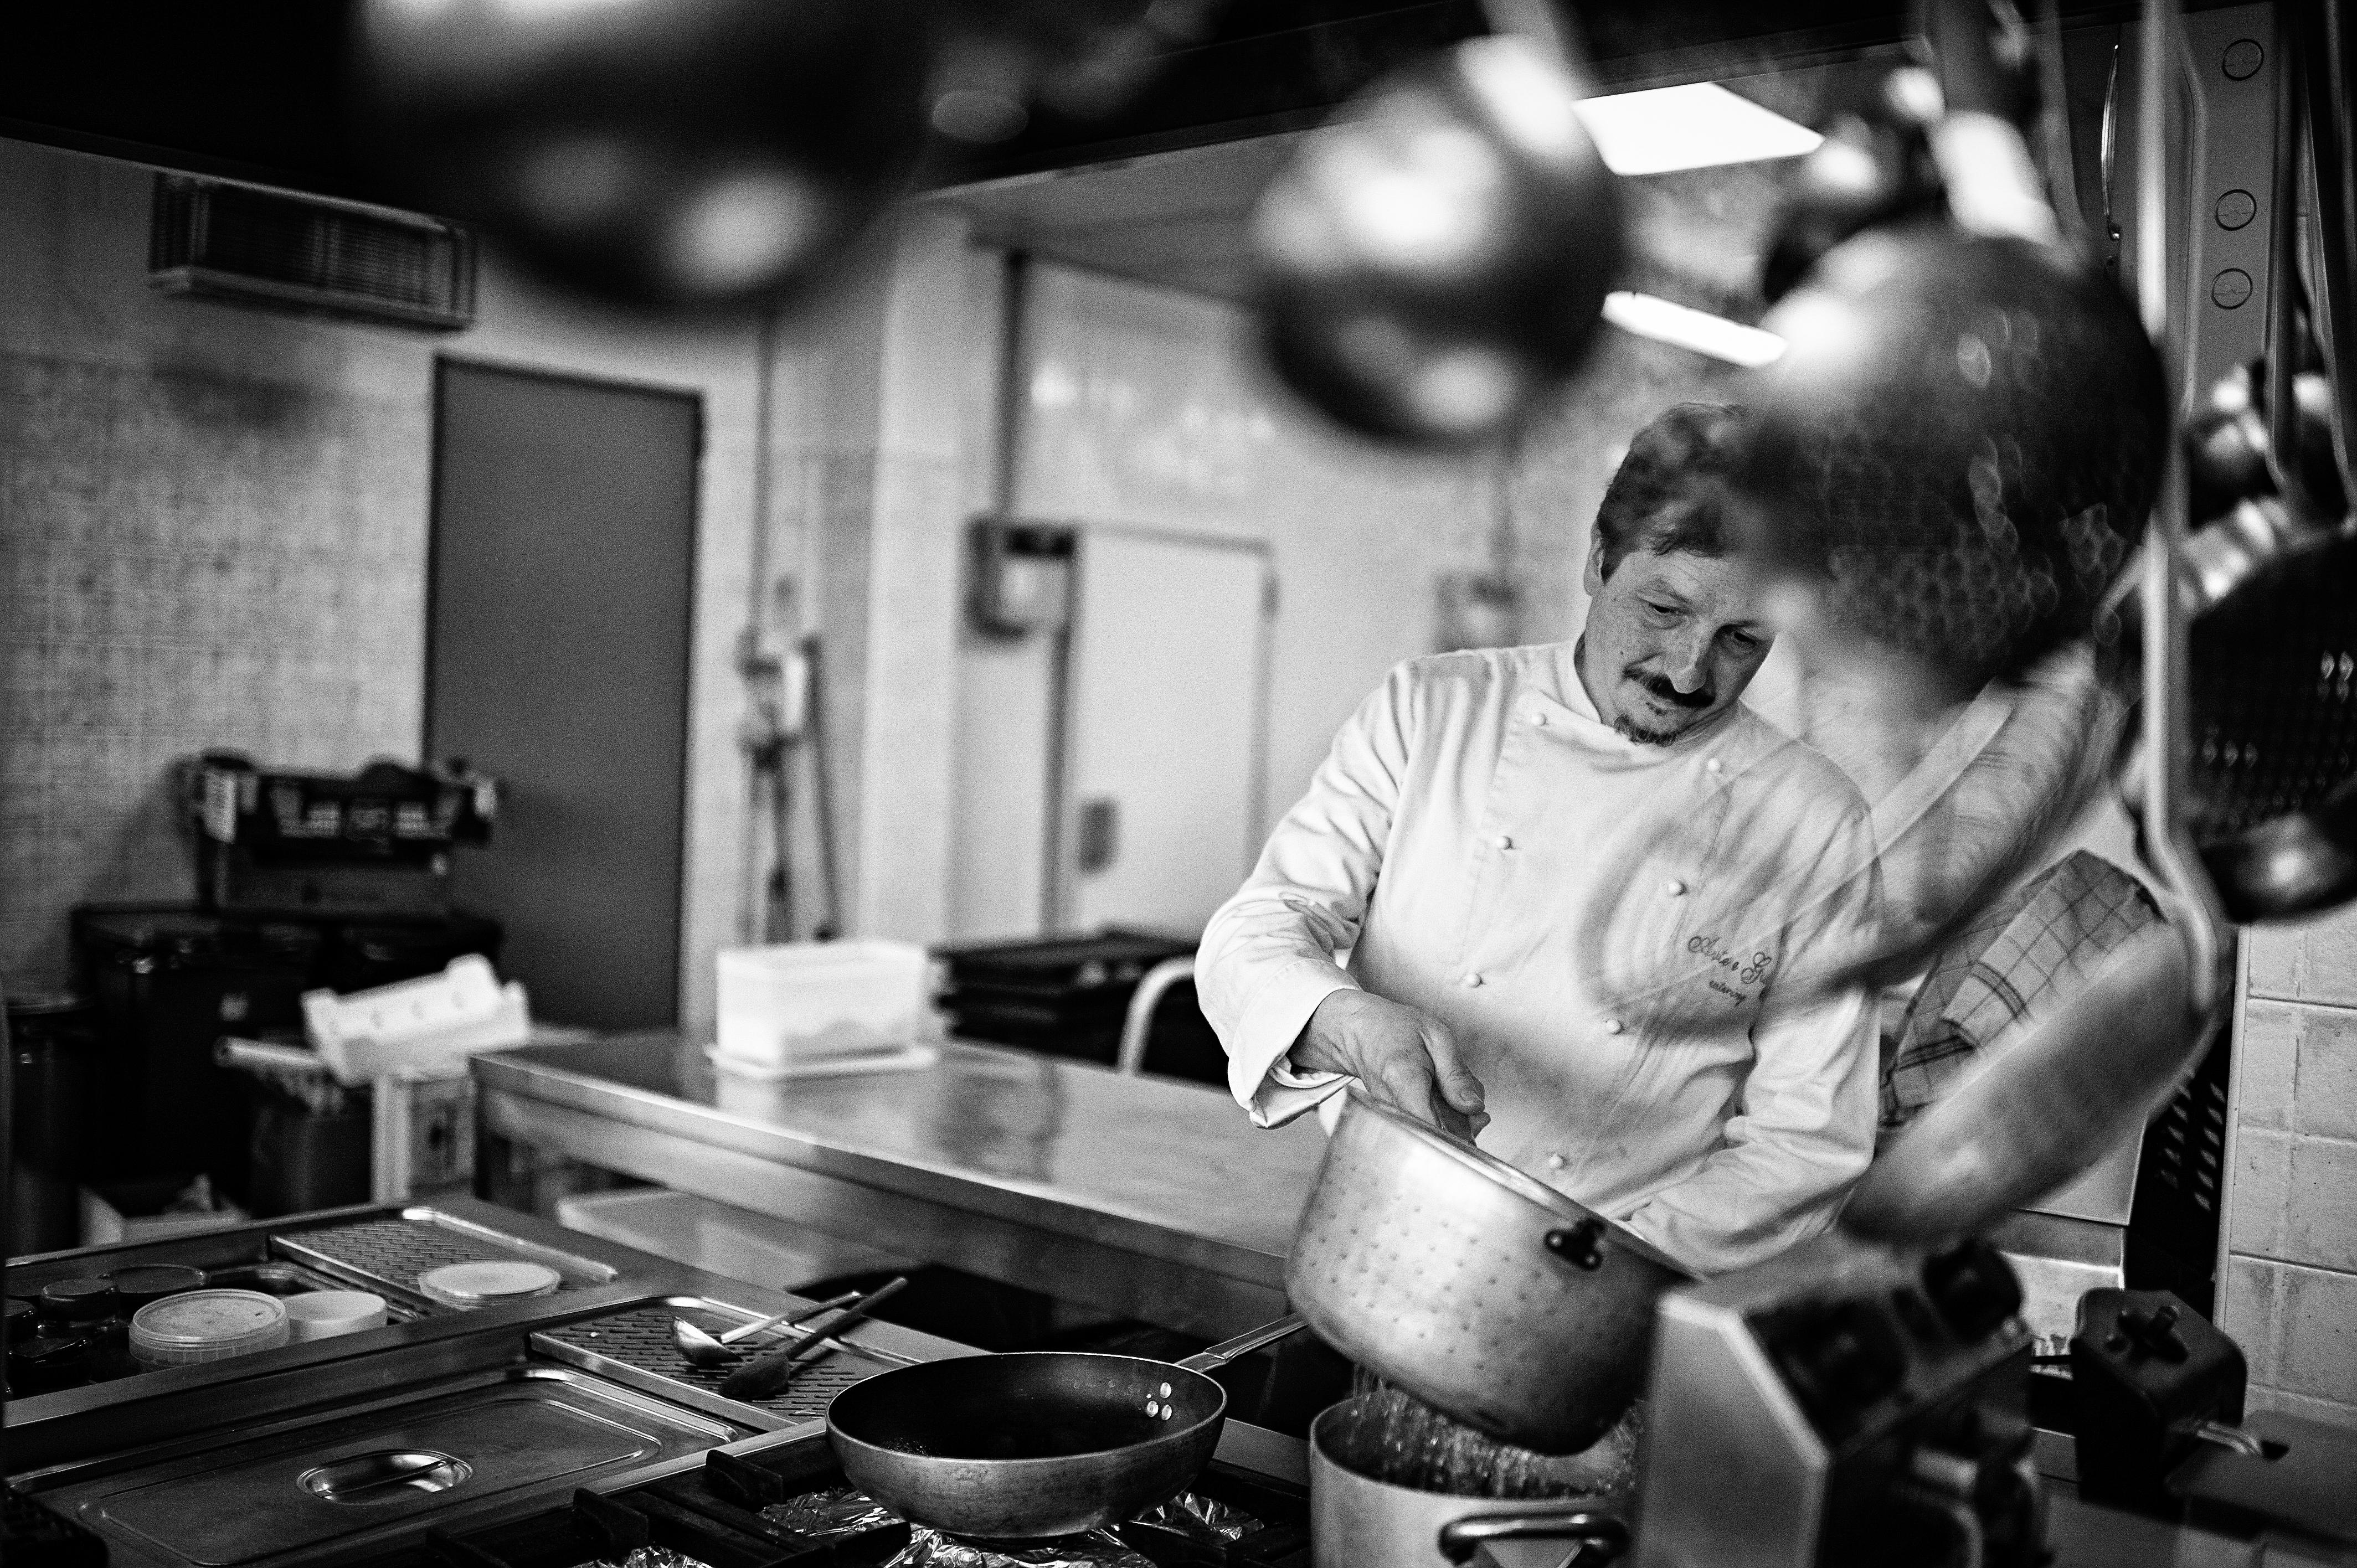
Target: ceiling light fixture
{"type": "Point", "coordinates": [1664, 321]}
{"type": "Point", "coordinates": [1698, 125]}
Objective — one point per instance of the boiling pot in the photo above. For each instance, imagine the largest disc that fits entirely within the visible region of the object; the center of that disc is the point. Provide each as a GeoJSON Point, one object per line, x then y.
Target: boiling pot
{"type": "Point", "coordinates": [1357, 1522]}
{"type": "Point", "coordinates": [1479, 1290]}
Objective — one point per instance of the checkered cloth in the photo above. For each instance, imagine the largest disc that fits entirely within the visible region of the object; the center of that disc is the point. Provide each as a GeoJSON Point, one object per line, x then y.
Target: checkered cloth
{"type": "Point", "coordinates": [2047, 936]}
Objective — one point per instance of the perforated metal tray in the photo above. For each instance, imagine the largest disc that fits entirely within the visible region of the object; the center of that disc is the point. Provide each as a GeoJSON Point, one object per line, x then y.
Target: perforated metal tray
{"type": "Point", "coordinates": [388, 1254]}
{"type": "Point", "coordinates": [635, 1349]}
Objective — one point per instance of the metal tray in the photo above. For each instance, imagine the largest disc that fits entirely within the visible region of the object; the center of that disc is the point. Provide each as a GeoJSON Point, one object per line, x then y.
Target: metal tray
{"type": "Point", "coordinates": [387, 1255]}
{"type": "Point", "coordinates": [635, 1349]}
{"type": "Point", "coordinates": [357, 1479]}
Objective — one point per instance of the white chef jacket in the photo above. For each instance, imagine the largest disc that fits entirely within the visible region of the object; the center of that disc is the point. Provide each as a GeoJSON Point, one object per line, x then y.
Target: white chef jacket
{"type": "Point", "coordinates": [1599, 923]}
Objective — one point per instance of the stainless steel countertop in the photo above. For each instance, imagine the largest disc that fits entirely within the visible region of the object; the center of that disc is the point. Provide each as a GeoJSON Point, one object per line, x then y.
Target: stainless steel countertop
{"type": "Point", "coordinates": [1151, 1169]}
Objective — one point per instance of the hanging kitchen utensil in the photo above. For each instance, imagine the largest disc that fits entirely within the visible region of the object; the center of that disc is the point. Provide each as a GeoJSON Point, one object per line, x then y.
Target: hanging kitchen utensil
{"type": "Point", "coordinates": [668, 153]}
{"type": "Point", "coordinates": [2088, 1071]}
{"type": "Point", "coordinates": [1480, 1290]}
{"type": "Point", "coordinates": [1953, 461]}
{"type": "Point", "coordinates": [1035, 1442]}
{"type": "Point", "coordinates": [1961, 442]}
{"type": "Point", "coordinates": [2271, 595]}
{"type": "Point", "coordinates": [1435, 259]}
{"type": "Point", "coordinates": [1875, 167]}
{"type": "Point", "coordinates": [2327, 52]}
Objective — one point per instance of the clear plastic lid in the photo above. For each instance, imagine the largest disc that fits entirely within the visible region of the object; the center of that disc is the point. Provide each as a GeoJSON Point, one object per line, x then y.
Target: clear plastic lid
{"type": "Point", "coordinates": [488, 1283]}
{"type": "Point", "coordinates": [207, 1325]}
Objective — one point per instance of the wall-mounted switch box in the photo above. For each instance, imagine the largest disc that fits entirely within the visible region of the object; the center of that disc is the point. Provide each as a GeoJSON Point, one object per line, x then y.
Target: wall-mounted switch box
{"type": "Point", "coordinates": [1022, 575]}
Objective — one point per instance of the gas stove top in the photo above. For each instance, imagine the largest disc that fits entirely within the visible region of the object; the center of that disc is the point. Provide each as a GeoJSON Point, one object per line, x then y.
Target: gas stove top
{"type": "Point", "coordinates": [781, 1502]}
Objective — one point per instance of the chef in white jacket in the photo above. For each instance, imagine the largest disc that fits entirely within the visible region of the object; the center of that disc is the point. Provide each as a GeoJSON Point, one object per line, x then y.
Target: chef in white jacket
{"type": "Point", "coordinates": [1569, 881]}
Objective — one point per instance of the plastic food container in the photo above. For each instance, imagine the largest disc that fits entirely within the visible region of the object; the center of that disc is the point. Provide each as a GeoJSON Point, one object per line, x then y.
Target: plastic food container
{"type": "Point", "coordinates": [488, 1285]}
{"type": "Point", "coordinates": [207, 1325]}
{"type": "Point", "coordinates": [805, 1003]}
{"type": "Point", "coordinates": [138, 1285]}
{"type": "Point", "coordinates": [323, 1315]}
{"type": "Point", "coordinates": [77, 1301]}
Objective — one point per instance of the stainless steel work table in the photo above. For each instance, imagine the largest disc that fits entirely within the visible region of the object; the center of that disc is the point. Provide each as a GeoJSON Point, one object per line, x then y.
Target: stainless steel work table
{"type": "Point", "coordinates": [1145, 1197]}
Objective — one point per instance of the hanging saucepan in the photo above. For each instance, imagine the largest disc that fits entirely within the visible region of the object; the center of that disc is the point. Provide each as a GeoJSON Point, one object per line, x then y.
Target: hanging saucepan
{"type": "Point", "coordinates": [1483, 1293]}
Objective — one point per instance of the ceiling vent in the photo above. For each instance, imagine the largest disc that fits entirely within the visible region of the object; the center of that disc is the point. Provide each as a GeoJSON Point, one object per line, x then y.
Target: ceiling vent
{"type": "Point", "coordinates": [321, 258]}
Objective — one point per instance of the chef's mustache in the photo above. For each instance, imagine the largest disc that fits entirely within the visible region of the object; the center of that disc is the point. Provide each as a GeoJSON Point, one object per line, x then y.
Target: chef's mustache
{"type": "Point", "coordinates": [1661, 686]}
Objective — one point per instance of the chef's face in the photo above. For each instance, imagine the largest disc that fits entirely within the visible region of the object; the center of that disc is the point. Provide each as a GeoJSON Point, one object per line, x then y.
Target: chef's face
{"type": "Point", "coordinates": [1671, 640]}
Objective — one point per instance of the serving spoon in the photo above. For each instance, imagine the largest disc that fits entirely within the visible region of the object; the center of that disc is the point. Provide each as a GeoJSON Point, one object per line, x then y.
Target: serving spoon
{"type": "Point", "coordinates": [705, 1349]}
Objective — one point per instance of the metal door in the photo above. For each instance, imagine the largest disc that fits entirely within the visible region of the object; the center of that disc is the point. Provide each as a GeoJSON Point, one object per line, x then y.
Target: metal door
{"type": "Point", "coordinates": [559, 608]}
{"type": "Point", "coordinates": [1166, 726]}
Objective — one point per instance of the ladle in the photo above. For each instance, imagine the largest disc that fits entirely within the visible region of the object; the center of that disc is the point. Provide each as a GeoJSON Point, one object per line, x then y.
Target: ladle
{"type": "Point", "coordinates": [705, 1349]}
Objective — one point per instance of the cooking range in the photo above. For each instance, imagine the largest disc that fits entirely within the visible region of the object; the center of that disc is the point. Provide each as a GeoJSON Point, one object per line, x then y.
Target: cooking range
{"type": "Point", "coordinates": [564, 1428]}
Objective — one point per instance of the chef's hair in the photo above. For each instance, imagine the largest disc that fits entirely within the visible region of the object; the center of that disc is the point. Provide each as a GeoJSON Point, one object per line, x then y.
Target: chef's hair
{"type": "Point", "coordinates": [1668, 495]}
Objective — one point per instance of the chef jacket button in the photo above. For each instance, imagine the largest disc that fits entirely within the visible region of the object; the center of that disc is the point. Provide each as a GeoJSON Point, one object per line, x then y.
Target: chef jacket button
{"type": "Point", "coordinates": [1538, 717]}
{"type": "Point", "coordinates": [1555, 1162]}
{"type": "Point", "coordinates": [1714, 765]}
{"type": "Point", "coordinates": [1674, 887]}
{"type": "Point", "coordinates": [1612, 1025]}
{"type": "Point", "coordinates": [1471, 980]}
{"type": "Point", "coordinates": [1504, 841]}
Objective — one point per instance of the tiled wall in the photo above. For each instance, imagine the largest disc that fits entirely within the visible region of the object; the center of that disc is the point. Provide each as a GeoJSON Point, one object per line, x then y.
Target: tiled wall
{"type": "Point", "coordinates": [2291, 1287]}
{"type": "Point", "coordinates": [192, 559]}
{"type": "Point", "coordinates": [212, 532]}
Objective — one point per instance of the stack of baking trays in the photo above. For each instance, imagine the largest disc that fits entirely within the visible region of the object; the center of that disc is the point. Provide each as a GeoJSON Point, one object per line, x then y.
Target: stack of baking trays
{"type": "Point", "coordinates": [538, 1430]}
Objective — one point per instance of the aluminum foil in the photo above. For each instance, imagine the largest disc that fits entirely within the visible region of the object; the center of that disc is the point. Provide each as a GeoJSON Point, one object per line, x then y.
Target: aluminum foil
{"type": "Point", "coordinates": [930, 1548]}
{"type": "Point", "coordinates": [655, 1557]}
{"type": "Point", "coordinates": [823, 1516]}
{"type": "Point", "coordinates": [1206, 1519]}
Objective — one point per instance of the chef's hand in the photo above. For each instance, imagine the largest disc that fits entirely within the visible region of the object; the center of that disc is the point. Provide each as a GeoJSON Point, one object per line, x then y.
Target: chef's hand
{"type": "Point", "coordinates": [1405, 1058]}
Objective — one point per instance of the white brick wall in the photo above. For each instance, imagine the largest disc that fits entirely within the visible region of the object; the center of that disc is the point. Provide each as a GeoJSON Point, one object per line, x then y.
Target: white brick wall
{"type": "Point", "coordinates": [2290, 1291]}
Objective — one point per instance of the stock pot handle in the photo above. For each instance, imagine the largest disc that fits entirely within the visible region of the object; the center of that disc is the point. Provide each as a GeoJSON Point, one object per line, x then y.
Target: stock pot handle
{"type": "Point", "coordinates": [1577, 1244]}
{"type": "Point", "coordinates": [1586, 1520]}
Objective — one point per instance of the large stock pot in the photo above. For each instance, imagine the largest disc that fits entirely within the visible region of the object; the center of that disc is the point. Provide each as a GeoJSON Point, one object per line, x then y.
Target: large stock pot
{"type": "Point", "coordinates": [1477, 1289]}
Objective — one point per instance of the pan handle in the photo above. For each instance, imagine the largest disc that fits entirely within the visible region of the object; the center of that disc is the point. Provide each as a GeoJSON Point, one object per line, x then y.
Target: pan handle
{"type": "Point", "coordinates": [1245, 1344]}
{"type": "Point", "coordinates": [1576, 1519]}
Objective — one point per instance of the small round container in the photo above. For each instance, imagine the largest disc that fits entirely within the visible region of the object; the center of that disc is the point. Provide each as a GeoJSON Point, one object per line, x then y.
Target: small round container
{"type": "Point", "coordinates": [77, 1301]}
{"type": "Point", "coordinates": [136, 1286]}
{"type": "Point", "coordinates": [48, 1362]}
{"type": "Point", "coordinates": [324, 1314]}
{"type": "Point", "coordinates": [207, 1325]}
{"type": "Point", "coordinates": [18, 1321]}
{"type": "Point", "coordinates": [488, 1285]}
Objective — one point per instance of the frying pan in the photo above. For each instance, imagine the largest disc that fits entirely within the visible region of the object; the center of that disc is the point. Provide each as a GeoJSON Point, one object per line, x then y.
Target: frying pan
{"type": "Point", "coordinates": [1035, 1442]}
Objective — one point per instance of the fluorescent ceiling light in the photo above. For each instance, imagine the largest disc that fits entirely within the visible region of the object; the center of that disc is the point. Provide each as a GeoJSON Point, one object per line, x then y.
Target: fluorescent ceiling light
{"type": "Point", "coordinates": [1648, 316]}
{"type": "Point", "coordinates": [1694, 126]}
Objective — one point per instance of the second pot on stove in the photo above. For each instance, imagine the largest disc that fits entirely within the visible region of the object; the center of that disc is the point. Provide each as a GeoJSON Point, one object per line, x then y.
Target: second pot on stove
{"type": "Point", "coordinates": [1482, 1291]}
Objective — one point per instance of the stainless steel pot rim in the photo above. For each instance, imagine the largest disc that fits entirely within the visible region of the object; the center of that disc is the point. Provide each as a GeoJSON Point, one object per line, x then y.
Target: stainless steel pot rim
{"type": "Point", "coordinates": [1326, 1421]}
{"type": "Point", "coordinates": [1521, 1183]}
